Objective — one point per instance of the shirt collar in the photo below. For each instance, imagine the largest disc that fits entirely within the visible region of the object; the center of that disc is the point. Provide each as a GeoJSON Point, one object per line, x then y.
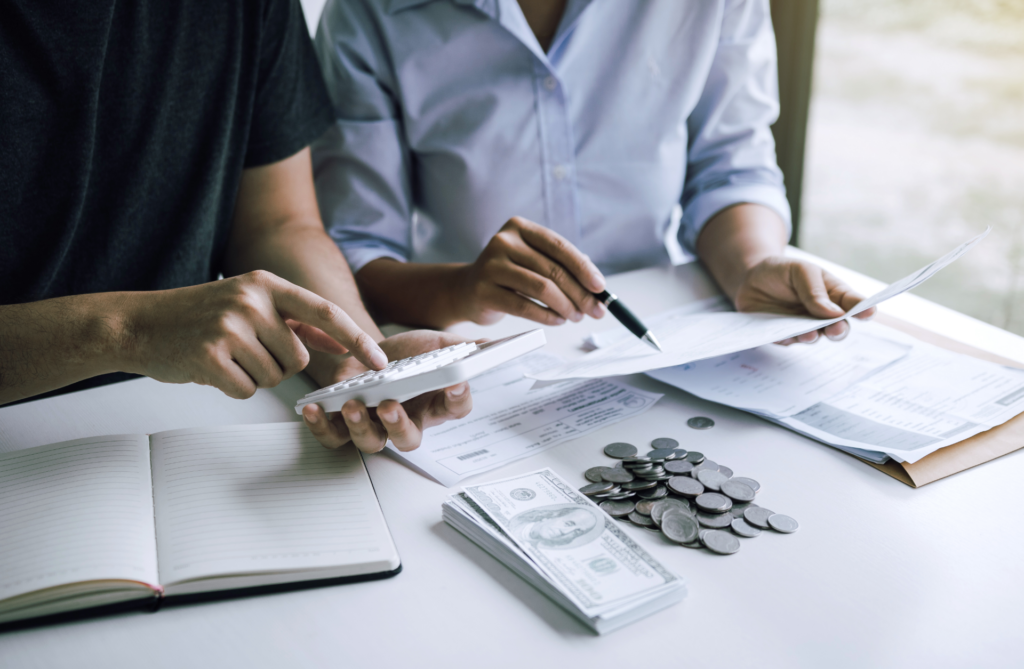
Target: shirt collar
{"type": "Point", "coordinates": [488, 7]}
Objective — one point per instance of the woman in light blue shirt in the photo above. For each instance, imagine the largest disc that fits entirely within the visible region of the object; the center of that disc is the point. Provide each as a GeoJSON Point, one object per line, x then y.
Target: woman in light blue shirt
{"type": "Point", "coordinates": [489, 151]}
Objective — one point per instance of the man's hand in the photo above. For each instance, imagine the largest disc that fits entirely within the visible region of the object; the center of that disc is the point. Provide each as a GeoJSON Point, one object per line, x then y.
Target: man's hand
{"type": "Point", "coordinates": [526, 260]}
{"type": "Point", "coordinates": [239, 334]}
{"type": "Point", "coordinates": [403, 424]}
{"type": "Point", "coordinates": [783, 285]}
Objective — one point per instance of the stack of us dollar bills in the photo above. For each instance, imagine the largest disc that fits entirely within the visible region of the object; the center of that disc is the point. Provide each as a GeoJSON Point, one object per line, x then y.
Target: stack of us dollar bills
{"type": "Point", "coordinates": [565, 546]}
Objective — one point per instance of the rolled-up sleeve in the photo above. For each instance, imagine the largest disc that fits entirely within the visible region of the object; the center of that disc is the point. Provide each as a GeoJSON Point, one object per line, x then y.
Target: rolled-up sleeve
{"type": "Point", "coordinates": [731, 154]}
{"type": "Point", "coordinates": [361, 164]}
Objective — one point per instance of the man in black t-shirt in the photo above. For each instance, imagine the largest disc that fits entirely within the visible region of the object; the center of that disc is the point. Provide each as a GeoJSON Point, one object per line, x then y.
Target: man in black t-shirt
{"type": "Point", "coordinates": [145, 149]}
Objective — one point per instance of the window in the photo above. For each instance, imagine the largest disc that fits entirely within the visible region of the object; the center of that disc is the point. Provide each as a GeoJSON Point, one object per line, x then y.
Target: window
{"type": "Point", "coordinates": [916, 143]}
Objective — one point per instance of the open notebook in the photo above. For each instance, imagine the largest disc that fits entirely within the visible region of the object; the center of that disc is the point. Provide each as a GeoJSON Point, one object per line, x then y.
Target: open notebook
{"type": "Point", "coordinates": [126, 520]}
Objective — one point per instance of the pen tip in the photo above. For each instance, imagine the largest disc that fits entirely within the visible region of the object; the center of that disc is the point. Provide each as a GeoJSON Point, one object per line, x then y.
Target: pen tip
{"type": "Point", "coordinates": [653, 341]}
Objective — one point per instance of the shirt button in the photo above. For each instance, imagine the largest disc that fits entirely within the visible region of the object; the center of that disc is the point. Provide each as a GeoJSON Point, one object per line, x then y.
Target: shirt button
{"type": "Point", "coordinates": [559, 172]}
{"type": "Point", "coordinates": [550, 83]}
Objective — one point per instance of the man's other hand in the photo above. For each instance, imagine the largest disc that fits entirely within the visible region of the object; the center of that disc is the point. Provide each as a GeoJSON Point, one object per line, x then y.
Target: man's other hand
{"type": "Point", "coordinates": [403, 424]}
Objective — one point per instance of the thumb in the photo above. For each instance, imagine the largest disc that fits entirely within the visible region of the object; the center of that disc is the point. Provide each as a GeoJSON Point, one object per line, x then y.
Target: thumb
{"type": "Point", "coordinates": [809, 284]}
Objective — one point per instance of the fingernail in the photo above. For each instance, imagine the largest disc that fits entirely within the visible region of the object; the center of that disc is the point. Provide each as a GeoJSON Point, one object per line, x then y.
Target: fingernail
{"type": "Point", "coordinates": [379, 359]}
{"type": "Point", "coordinates": [577, 317]}
{"type": "Point", "coordinates": [353, 417]}
{"type": "Point", "coordinates": [388, 416]}
{"type": "Point", "coordinates": [559, 321]}
{"type": "Point", "coordinates": [457, 391]}
{"type": "Point", "coordinates": [598, 311]}
{"type": "Point", "coordinates": [841, 336]}
{"type": "Point", "coordinates": [311, 417]}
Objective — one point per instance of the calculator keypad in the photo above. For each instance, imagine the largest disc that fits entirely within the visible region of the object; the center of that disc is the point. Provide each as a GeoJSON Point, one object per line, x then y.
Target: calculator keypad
{"type": "Point", "coordinates": [400, 369]}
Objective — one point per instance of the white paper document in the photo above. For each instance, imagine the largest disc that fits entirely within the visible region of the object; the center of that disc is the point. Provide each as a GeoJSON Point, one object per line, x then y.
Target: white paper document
{"type": "Point", "coordinates": [510, 420]}
{"type": "Point", "coordinates": [687, 337]}
{"type": "Point", "coordinates": [784, 380]}
{"type": "Point", "coordinates": [877, 393]}
{"type": "Point", "coordinates": [930, 399]}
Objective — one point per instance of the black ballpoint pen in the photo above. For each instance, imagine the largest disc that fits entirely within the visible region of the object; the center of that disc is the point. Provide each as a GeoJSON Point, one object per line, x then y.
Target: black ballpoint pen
{"type": "Point", "coordinates": [626, 317]}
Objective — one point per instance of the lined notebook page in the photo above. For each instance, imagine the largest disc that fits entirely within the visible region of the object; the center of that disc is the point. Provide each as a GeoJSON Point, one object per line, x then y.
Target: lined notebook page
{"type": "Point", "coordinates": [76, 511]}
{"type": "Point", "coordinates": [260, 498]}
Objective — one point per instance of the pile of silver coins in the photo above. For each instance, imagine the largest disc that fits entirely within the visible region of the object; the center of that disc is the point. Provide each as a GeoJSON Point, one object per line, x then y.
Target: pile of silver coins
{"type": "Point", "coordinates": [689, 499]}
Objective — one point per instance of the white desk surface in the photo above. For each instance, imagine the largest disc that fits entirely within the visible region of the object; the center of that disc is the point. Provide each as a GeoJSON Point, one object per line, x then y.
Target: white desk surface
{"type": "Point", "coordinates": [879, 575]}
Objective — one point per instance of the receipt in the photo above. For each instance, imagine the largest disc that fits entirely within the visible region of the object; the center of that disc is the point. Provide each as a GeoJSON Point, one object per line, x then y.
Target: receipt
{"type": "Point", "coordinates": [511, 420]}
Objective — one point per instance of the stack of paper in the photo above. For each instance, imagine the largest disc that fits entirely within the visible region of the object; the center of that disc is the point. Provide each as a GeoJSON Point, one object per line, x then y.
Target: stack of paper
{"type": "Point", "coordinates": [878, 394]}
{"type": "Point", "coordinates": [565, 546]}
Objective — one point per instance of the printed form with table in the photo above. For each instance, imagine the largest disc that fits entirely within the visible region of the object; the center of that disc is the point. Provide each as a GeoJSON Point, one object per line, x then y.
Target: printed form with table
{"type": "Point", "coordinates": [909, 403]}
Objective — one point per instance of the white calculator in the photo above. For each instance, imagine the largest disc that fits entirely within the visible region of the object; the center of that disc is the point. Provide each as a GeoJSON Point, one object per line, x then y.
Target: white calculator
{"type": "Point", "coordinates": [405, 379]}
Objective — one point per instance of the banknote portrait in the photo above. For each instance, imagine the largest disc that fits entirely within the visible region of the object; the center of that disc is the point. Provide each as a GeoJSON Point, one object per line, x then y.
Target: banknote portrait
{"type": "Point", "coordinates": [558, 526]}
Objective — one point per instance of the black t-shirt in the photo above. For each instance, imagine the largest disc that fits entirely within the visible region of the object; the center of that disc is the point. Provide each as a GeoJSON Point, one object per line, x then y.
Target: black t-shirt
{"type": "Point", "coordinates": [124, 130]}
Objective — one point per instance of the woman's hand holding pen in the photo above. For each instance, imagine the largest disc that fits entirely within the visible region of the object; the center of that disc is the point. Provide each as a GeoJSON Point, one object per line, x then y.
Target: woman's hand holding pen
{"type": "Point", "coordinates": [524, 262]}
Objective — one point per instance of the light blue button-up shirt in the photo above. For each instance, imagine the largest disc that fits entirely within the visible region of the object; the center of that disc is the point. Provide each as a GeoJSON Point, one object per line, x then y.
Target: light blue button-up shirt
{"type": "Point", "coordinates": [450, 119]}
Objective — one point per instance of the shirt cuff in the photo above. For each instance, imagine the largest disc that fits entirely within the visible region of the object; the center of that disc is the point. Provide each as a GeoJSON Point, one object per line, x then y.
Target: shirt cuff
{"type": "Point", "coordinates": [359, 256]}
{"type": "Point", "coordinates": [705, 205]}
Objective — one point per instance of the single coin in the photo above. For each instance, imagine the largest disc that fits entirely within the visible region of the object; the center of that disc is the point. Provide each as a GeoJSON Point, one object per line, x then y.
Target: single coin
{"type": "Point", "coordinates": [625, 494]}
{"type": "Point", "coordinates": [688, 503]}
{"type": "Point", "coordinates": [754, 485]}
{"type": "Point", "coordinates": [725, 470]}
{"type": "Point", "coordinates": [680, 453]}
{"type": "Point", "coordinates": [701, 423]}
{"type": "Point", "coordinates": [695, 457]}
{"type": "Point", "coordinates": [711, 478]}
{"type": "Point", "coordinates": [664, 442]}
{"type": "Point", "coordinates": [716, 521]}
{"type": "Point", "coordinates": [620, 450]}
{"type": "Point", "coordinates": [644, 506]}
{"type": "Point", "coordinates": [700, 537]}
{"type": "Point", "coordinates": [594, 474]}
{"type": "Point", "coordinates": [614, 491]}
{"type": "Point", "coordinates": [678, 467]}
{"type": "Point", "coordinates": [720, 542]}
{"type": "Point", "coordinates": [684, 485]}
{"type": "Point", "coordinates": [640, 519]}
{"type": "Point", "coordinates": [758, 516]}
{"type": "Point", "coordinates": [653, 493]}
{"type": "Point", "coordinates": [668, 504]}
{"type": "Point", "coordinates": [661, 454]}
{"type": "Point", "coordinates": [639, 485]}
{"type": "Point", "coordinates": [784, 524]}
{"type": "Point", "coordinates": [616, 475]}
{"type": "Point", "coordinates": [706, 464]}
{"type": "Point", "coordinates": [713, 502]}
{"type": "Point", "coordinates": [738, 508]}
{"type": "Point", "coordinates": [736, 491]}
{"type": "Point", "coordinates": [598, 488]}
{"type": "Point", "coordinates": [679, 527]}
{"type": "Point", "coordinates": [639, 467]}
{"type": "Point", "coordinates": [617, 509]}
{"type": "Point", "coordinates": [744, 529]}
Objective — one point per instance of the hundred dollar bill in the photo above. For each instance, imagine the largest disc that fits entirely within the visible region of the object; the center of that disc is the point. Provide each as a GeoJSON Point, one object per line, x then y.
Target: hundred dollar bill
{"type": "Point", "coordinates": [577, 546]}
